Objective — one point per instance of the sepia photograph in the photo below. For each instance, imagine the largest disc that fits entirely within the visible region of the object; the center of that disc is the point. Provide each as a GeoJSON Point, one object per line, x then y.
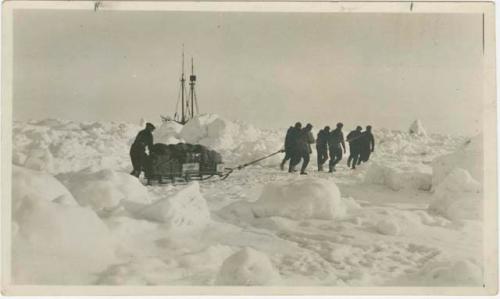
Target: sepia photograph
{"type": "Point", "coordinates": [230, 147]}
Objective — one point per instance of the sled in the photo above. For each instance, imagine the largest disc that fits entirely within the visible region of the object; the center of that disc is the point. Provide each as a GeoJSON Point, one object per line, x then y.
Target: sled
{"type": "Point", "coordinates": [182, 162]}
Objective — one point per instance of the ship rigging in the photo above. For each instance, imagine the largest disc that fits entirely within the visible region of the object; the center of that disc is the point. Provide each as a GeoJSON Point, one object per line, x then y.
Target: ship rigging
{"type": "Point", "coordinates": [187, 99]}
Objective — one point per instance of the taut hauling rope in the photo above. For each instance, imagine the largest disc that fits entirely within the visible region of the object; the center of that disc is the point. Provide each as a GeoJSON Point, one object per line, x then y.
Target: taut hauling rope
{"type": "Point", "coordinates": [230, 170]}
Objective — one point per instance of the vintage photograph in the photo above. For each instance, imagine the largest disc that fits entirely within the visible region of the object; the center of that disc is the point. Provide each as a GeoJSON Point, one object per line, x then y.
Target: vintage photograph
{"type": "Point", "coordinates": [211, 146]}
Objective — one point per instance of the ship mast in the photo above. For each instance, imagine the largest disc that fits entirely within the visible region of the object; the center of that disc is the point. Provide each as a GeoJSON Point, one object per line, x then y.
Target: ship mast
{"type": "Point", "coordinates": [183, 82]}
{"type": "Point", "coordinates": [188, 102]}
{"type": "Point", "coordinates": [192, 81]}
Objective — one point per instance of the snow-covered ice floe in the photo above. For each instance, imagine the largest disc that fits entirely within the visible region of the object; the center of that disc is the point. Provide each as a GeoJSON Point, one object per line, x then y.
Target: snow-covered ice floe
{"type": "Point", "coordinates": [397, 177]}
{"type": "Point", "coordinates": [184, 211]}
{"type": "Point", "coordinates": [301, 199]}
{"type": "Point", "coordinates": [55, 240]}
{"type": "Point", "coordinates": [409, 216]}
{"type": "Point", "coordinates": [457, 182]}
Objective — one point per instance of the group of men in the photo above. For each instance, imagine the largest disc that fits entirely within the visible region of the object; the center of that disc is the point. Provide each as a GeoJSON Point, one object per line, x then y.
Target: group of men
{"type": "Point", "coordinates": [329, 144]}
{"type": "Point", "coordinates": [298, 141]}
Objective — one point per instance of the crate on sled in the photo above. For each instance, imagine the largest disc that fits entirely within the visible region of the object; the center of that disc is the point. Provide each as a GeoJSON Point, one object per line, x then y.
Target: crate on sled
{"type": "Point", "coordinates": [182, 162]}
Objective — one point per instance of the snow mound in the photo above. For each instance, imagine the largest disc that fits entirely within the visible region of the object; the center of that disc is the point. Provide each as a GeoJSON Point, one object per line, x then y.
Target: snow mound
{"type": "Point", "coordinates": [210, 130]}
{"type": "Point", "coordinates": [184, 211]}
{"type": "Point", "coordinates": [398, 177]}
{"type": "Point", "coordinates": [469, 156]}
{"type": "Point", "coordinates": [57, 243]}
{"type": "Point", "coordinates": [238, 142]}
{"type": "Point", "coordinates": [27, 183]}
{"type": "Point", "coordinates": [104, 189]}
{"type": "Point", "coordinates": [301, 199]}
{"type": "Point", "coordinates": [168, 133]}
{"type": "Point", "coordinates": [416, 128]}
{"type": "Point", "coordinates": [247, 267]}
{"type": "Point", "coordinates": [464, 272]}
{"type": "Point", "coordinates": [388, 227]}
{"type": "Point", "coordinates": [458, 197]}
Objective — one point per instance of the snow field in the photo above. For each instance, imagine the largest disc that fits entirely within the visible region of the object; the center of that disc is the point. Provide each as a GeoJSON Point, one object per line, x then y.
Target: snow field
{"type": "Point", "coordinates": [401, 218]}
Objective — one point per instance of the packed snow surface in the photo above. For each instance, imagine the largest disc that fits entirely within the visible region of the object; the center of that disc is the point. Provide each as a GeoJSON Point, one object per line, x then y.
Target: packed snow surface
{"type": "Point", "coordinates": [53, 238]}
{"type": "Point", "coordinates": [409, 216]}
{"type": "Point", "coordinates": [185, 210]}
{"type": "Point", "coordinates": [248, 267]}
{"type": "Point", "coordinates": [302, 198]}
{"type": "Point", "coordinates": [103, 189]}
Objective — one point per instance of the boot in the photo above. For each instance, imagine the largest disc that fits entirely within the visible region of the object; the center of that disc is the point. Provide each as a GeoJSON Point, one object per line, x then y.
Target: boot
{"type": "Point", "coordinates": [303, 173]}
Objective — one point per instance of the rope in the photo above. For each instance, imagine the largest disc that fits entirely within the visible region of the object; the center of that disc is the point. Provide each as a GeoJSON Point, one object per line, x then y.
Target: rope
{"type": "Point", "coordinates": [239, 167]}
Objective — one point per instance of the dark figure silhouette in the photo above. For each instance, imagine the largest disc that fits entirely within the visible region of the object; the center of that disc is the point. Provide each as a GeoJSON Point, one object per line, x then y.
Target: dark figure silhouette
{"type": "Point", "coordinates": [288, 149]}
{"type": "Point", "coordinates": [138, 149]}
{"type": "Point", "coordinates": [292, 147]}
{"type": "Point", "coordinates": [304, 148]}
{"type": "Point", "coordinates": [354, 146]}
{"type": "Point", "coordinates": [367, 145]}
{"type": "Point", "coordinates": [336, 145]}
{"type": "Point", "coordinates": [322, 147]}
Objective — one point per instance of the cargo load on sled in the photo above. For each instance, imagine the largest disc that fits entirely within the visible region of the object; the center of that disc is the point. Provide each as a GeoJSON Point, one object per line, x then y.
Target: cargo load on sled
{"type": "Point", "coordinates": [182, 161]}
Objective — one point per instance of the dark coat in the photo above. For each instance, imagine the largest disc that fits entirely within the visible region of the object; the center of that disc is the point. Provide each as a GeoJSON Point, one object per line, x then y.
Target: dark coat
{"type": "Point", "coordinates": [354, 139]}
{"type": "Point", "coordinates": [292, 140]}
{"type": "Point", "coordinates": [305, 140]}
{"type": "Point", "coordinates": [144, 139]}
{"type": "Point", "coordinates": [367, 141]}
{"type": "Point", "coordinates": [322, 140]}
{"type": "Point", "coordinates": [289, 139]}
{"type": "Point", "coordinates": [336, 139]}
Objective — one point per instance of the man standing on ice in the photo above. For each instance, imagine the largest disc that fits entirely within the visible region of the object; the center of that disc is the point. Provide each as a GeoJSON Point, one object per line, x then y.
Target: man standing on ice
{"type": "Point", "coordinates": [367, 145]}
{"type": "Point", "coordinates": [138, 149]}
{"type": "Point", "coordinates": [290, 143]}
{"type": "Point", "coordinates": [305, 140]}
{"type": "Point", "coordinates": [322, 147]}
{"type": "Point", "coordinates": [354, 149]}
{"type": "Point", "coordinates": [336, 145]}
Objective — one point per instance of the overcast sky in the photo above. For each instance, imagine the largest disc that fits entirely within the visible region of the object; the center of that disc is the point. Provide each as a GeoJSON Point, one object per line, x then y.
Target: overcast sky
{"type": "Point", "coordinates": [269, 69]}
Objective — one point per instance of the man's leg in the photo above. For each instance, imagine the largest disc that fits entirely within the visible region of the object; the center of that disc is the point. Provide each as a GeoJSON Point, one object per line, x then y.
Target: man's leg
{"type": "Point", "coordinates": [319, 158]}
{"type": "Point", "coordinates": [322, 157]}
{"type": "Point", "coordinates": [338, 157]}
{"type": "Point", "coordinates": [351, 156]}
{"type": "Point", "coordinates": [286, 158]}
{"type": "Point", "coordinates": [294, 160]}
{"type": "Point", "coordinates": [306, 158]}
{"type": "Point", "coordinates": [135, 164]}
{"type": "Point", "coordinates": [355, 158]}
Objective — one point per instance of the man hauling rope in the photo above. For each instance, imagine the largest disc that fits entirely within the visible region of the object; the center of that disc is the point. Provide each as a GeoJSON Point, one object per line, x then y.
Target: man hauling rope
{"type": "Point", "coordinates": [291, 139]}
{"type": "Point", "coordinates": [322, 147]}
{"type": "Point", "coordinates": [354, 147]}
{"type": "Point", "coordinates": [336, 145]}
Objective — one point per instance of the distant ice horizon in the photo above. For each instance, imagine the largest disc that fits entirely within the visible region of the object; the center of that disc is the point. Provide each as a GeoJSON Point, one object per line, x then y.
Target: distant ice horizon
{"type": "Point", "coordinates": [158, 122]}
